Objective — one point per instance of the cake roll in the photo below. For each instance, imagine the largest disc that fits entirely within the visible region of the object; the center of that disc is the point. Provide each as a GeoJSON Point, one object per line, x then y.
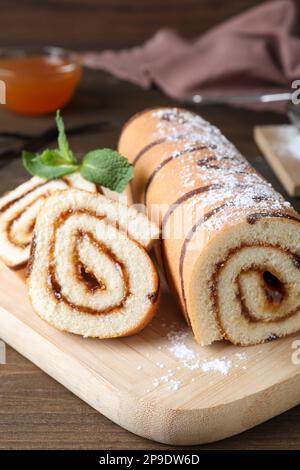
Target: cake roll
{"type": "Point", "coordinates": [89, 269]}
{"type": "Point", "coordinates": [230, 244]}
{"type": "Point", "coordinates": [18, 211]}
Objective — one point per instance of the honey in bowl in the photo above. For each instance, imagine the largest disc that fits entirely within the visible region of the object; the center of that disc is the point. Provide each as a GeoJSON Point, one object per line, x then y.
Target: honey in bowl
{"type": "Point", "coordinates": [39, 83]}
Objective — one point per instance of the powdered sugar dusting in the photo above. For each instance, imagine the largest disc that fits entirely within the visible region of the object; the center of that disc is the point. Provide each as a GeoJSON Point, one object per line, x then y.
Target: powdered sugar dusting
{"type": "Point", "coordinates": [189, 357]}
{"type": "Point", "coordinates": [193, 359]}
{"type": "Point", "coordinates": [181, 351]}
{"type": "Point", "coordinates": [240, 187]}
{"type": "Point", "coordinates": [219, 365]}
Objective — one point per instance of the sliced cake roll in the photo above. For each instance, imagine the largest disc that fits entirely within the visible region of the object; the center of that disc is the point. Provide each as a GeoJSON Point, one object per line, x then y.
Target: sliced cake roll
{"type": "Point", "coordinates": [18, 211]}
{"type": "Point", "coordinates": [230, 243]}
{"type": "Point", "coordinates": [89, 271]}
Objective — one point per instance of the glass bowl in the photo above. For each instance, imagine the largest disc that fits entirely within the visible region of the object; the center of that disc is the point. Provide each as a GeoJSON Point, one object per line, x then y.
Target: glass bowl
{"type": "Point", "coordinates": [38, 80]}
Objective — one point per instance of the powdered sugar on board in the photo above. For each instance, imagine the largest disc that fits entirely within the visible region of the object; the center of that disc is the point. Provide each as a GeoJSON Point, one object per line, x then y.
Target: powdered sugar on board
{"type": "Point", "coordinates": [188, 361]}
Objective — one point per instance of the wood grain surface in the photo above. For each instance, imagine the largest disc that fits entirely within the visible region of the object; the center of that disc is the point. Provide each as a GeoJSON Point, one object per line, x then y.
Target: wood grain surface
{"type": "Point", "coordinates": [35, 411]}
{"type": "Point", "coordinates": [274, 142]}
{"type": "Point", "coordinates": [81, 24]}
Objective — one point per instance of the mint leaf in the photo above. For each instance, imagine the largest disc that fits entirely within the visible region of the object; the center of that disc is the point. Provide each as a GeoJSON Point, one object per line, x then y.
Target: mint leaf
{"type": "Point", "coordinates": [107, 168]}
{"type": "Point", "coordinates": [104, 167]}
{"type": "Point", "coordinates": [51, 157]}
{"type": "Point", "coordinates": [47, 165]}
{"type": "Point", "coordinates": [63, 144]}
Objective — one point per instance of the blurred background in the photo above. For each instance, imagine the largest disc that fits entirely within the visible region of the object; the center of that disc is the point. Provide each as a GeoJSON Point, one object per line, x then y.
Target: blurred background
{"type": "Point", "coordinates": [98, 24]}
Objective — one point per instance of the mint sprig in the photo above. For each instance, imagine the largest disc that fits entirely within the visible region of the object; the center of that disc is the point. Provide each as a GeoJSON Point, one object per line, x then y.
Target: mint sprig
{"type": "Point", "coordinates": [47, 165]}
{"type": "Point", "coordinates": [63, 143]}
{"type": "Point", "coordinates": [105, 167]}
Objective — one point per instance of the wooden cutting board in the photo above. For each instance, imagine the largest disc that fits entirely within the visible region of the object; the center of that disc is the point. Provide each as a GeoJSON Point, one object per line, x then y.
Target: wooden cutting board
{"type": "Point", "coordinates": [159, 384]}
{"type": "Point", "coordinates": [280, 145]}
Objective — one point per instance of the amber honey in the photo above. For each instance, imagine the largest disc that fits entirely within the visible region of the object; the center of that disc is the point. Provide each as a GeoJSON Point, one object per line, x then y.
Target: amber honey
{"type": "Point", "coordinates": [39, 84]}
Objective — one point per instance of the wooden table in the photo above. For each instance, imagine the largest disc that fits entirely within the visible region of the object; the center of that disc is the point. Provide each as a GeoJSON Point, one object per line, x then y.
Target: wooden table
{"type": "Point", "coordinates": [35, 411]}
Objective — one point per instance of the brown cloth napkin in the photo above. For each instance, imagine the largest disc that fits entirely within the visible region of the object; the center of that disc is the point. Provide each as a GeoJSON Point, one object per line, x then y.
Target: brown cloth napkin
{"type": "Point", "coordinates": [256, 51]}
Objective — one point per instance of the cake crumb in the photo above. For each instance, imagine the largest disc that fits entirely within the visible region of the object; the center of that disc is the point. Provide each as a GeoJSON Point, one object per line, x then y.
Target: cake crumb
{"type": "Point", "coordinates": [217, 365]}
{"type": "Point", "coordinates": [174, 385]}
{"type": "Point", "coordinates": [161, 365]}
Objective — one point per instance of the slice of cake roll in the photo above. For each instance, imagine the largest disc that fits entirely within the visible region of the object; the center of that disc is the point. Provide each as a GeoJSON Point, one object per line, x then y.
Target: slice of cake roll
{"type": "Point", "coordinates": [89, 271]}
{"type": "Point", "coordinates": [18, 211]}
{"type": "Point", "coordinates": [230, 243]}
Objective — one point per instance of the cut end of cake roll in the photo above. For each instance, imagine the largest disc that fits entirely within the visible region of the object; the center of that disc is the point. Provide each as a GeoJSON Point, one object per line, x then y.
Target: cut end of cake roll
{"type": "Point", "coordinates": [18, 211]}
{"type": "Point", "coordinates": [250, 282]}
{"type": "Point", "coordinates": [89, 271]}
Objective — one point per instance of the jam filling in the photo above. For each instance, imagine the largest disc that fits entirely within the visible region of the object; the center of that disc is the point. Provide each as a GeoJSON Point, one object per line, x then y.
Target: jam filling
{"type": "Point", "coordinates": [17, 199]}
{"type": "Point", "coordinates": [253, 218]}
{"type": "Point", "coordinates": [89, 279]}
{"type": "Point", "coordinates": [19, 214]}
{"type": "Point", "coordinates": [30, 228]}
{"type": "Point", "coordinates": [84, 275]}
{"type": "Point", "coordinates": [274, 288]}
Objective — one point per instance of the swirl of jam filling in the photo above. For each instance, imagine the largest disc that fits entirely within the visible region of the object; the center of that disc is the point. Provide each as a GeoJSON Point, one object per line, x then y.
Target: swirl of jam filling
{"type": "Point", "coordinates": [251, 219]}
{"type": "Point", "coordinates": [83, 274]}
{"type": "Point", "coordinates": [28, 230]}
{"type": "Point", "coordinates": [275, 290]}
{"type": "Point", "coordinates": [20, 213]}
